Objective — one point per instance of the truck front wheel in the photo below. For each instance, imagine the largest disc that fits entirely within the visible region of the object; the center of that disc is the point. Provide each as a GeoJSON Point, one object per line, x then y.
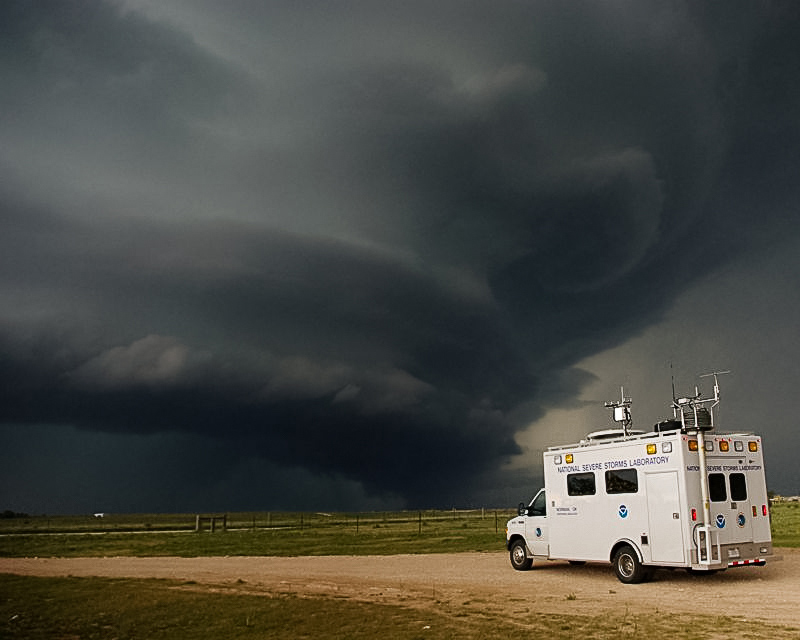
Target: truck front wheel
{"type": "Point", "coordinates": [519, 556]}
{"type": "Point", "coordinates": [628, 567]}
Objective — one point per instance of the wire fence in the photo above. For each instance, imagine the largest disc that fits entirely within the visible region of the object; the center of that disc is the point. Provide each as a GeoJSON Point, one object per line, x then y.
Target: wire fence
{"type": "Point", "coordinates": [261, 520]}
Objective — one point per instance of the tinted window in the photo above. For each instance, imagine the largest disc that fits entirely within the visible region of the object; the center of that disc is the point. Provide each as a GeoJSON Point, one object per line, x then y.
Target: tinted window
{"type": "Point", "coordinates": [580, 484]}
{"type": "Point", "coordinates": [622, 481]}
{"type": "Point", "coordinates": [738, 486]}
{"type": "Point", "coordinates": [539, 506]}
{"type": "Point", "coordinates": [716, 487]}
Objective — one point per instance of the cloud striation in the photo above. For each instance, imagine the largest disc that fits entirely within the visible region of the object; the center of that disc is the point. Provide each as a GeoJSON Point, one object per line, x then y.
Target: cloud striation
{"type": "Point", "coordinates": [365, 240]}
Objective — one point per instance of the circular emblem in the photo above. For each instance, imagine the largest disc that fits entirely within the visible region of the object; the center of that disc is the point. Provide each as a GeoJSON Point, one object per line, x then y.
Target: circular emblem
{"type": "Point", "coordinates": [740, 520]}
{"type": "Point", "coordinates": [538, 532]}
{"type": "Point", "coordinates": [623, 511]}
{"type": "Point", "coordinates": [720, 521]}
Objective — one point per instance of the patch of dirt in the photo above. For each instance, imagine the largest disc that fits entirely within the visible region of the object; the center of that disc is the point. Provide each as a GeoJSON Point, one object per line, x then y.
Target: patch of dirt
{"type": "Point", "coordinates": [475, 582]}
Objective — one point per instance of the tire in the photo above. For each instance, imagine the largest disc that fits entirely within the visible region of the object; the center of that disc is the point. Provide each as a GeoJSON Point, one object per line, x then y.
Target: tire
{"type": "Point", "coordinates": [519, 556]}
{"type": "Point", "coordinates": [628, 567]}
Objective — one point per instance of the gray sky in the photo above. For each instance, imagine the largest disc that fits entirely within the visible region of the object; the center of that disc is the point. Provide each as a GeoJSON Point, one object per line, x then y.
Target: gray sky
{"type": "Point", "coordinates": [366, 255]}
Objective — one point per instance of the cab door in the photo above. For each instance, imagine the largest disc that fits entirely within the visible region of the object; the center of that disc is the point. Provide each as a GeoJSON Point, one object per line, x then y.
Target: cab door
{"type": "Point", "coordinates": [536, 525]}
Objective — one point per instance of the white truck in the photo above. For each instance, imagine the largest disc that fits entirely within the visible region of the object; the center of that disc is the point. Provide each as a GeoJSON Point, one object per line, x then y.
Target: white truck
{"type": "Point", "coordinates": [681, 495]}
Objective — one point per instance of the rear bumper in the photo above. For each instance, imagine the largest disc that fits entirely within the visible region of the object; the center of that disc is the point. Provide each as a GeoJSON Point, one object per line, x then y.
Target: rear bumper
{"type": "Point", "coordinates": [738, 554]}
{"type": "Point", "coordinates": [757, 562]}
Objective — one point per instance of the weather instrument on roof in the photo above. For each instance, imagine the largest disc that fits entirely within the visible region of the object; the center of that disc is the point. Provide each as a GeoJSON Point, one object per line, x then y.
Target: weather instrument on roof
{"type": "Point", "coordinates": [690, 410]}
{"type": "Point", "coordinates": [621, 410]}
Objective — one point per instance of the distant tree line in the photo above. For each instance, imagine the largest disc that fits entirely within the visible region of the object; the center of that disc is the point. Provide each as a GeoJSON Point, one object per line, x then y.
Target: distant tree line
{"type": "Point", "coordinates": [13, 514]}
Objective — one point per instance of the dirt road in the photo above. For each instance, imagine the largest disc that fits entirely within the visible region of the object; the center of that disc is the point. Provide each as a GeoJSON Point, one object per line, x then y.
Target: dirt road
{"type": "Point", "coordinates": [483, 581]}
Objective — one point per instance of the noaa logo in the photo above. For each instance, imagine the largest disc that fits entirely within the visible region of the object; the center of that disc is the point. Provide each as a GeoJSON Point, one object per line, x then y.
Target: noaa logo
{"type": "Point", "coordinates": [538, 532]}
{"type": "Point", "coordinates": [740, 520]}
{"type": "Point", "coordinates": [623, 511]}
{"type": "Point", "coordinates": [720, 521]}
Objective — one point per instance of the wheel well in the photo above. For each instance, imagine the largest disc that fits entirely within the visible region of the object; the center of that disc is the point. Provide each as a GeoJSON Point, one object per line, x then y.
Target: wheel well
{"type": "Point", "coordinates": [513, 539]}
{"type": "Point", "coordinates": [625, 543]}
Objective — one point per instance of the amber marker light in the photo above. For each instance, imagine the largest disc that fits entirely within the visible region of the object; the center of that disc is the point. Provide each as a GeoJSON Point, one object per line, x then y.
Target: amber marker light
{"type": "Point", "coordinates": [724, 445]}
{"type": "Point", "coordinates": [568, 458]}
{"type": "Point", "coordinates": [651, 448]}
{"type": "Point", "coordinates": [692, 445]}
{"type": "Point", "coordinates": [752, 446]}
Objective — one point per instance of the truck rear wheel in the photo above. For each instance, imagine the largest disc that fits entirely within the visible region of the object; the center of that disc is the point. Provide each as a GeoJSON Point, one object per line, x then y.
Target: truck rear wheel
{"type": "Point", "coordinates": [628, 567]}
{"type": "Point", "coordinates": [519, 556]}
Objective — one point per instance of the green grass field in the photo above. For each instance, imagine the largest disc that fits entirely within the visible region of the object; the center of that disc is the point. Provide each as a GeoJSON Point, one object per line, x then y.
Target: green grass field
{"type": "Point", "coordinates": [276, 534]}
{"type": "Point", "coordinates": [785, 524]}
{"type": "Point", "coordinates": [286, 534]}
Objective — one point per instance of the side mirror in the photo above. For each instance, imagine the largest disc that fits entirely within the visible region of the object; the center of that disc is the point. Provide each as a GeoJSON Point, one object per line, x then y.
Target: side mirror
{"type": "Point", "coordinates": [522, 510]}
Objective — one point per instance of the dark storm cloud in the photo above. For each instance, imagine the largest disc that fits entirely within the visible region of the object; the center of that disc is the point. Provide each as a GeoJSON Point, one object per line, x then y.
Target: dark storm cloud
{"type": "Point", "coordinates": [368, 241]}
{"type": "Point", "coordinates": [322, 354]}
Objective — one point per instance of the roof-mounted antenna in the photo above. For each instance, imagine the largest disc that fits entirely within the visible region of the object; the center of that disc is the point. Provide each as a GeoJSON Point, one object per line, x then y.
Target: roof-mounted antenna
{"type": "Point", "coordinates": [691, 410]}
{"type": "Point", "coordinates": [672, 376]}
{"type": "Point", "coordinates": [715, 403]}
{"type": "Point", "coordinates": [622, 410]}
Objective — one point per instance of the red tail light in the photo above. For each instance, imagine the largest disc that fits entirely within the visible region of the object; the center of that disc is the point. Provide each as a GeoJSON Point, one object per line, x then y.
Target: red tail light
{"type": "Point", "coordinates": [694, 515]}
{"type": "Point", "coordinates": [764, 509]}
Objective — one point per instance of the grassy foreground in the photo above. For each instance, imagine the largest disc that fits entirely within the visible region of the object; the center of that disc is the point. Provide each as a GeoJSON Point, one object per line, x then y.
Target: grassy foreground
{"type": "Point", "coordinates": [34, 608]}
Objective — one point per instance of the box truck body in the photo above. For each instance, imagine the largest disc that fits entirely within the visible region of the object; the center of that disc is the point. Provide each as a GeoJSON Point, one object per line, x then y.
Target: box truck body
{"type": "Point", "coordinates": [679, 496]}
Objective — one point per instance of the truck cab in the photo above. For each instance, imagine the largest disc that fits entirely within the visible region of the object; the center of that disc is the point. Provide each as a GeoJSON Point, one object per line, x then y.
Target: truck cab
{"type": "Point", "coordinates": [527, 534]}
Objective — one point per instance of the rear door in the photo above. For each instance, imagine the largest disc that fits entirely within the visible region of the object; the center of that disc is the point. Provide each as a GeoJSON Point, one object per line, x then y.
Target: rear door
{"type": "Point", "coordinates": [664, 517]}
{"type": "Point", "coordinates": [731, 511]}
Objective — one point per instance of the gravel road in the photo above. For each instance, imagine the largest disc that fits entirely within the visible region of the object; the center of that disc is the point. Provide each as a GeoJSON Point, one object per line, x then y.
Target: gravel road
{"type": "Point", "coordinates": [482, 581]}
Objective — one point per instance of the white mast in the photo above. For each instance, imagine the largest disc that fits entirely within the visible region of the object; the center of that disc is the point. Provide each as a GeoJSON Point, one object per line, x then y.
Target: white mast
{"type": "Point", "coordinates": [699, 419]}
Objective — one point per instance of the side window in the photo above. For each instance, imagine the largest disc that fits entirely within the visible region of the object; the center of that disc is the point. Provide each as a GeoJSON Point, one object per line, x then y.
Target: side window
{"type": "Point", "coordinates": [716, 487]}
{"type": "Point", "coordinates": [622, 481]}
{"type": "Point", "coordinates": [580, 484]}
{"type": "Point", "coordinates": [539, 506]}
{"type": "Point", "coordinates": [738, 486]}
